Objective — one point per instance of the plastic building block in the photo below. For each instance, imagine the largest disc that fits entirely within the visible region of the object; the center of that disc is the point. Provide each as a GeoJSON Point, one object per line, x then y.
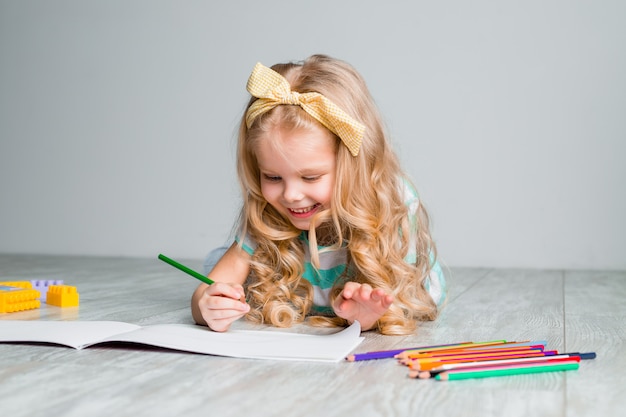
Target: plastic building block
{"type": "Point", "coordinates": [26, 285]}
{"type": "Point", "coordinates": [62, 296]}
{"type": "Point", "coordinates": [42, 285]}
{"type": "Point", "coordinates": [18, 296]}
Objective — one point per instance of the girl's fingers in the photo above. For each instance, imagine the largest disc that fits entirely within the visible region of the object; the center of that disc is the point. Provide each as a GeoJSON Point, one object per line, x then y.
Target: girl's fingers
{"type": "Point", "coordinates": [379, 295]}
{"type": "Point", "coordinates": [220, 320]}
{"type": "Point", "coordinates": [237, 310]}
{"type": "Point", "coordinates": [221, 304]}
{"type": "Point", "coordinates": [225, 290]}
{"type": "Point", "coordinates": [357, 292]}
{"type": "Point", "coordinates": [349, 289]}
{"type": "Point", "coordinates": [365, 292]}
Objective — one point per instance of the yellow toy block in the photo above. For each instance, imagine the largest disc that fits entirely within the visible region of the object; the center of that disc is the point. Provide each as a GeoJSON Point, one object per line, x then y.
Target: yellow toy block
{"type": "Point", "coordinates": [62, 296]}
{"type": "Point", "coordinates": [18, 296]}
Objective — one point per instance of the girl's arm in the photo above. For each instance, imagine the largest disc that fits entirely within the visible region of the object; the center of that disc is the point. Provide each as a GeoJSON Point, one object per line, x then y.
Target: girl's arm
{"type": "Point", "coordinates": [218, 305]}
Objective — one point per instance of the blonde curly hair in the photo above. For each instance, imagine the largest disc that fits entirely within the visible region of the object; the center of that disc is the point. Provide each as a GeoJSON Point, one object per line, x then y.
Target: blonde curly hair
{"type": "Point", "coordinates": [368, 216]}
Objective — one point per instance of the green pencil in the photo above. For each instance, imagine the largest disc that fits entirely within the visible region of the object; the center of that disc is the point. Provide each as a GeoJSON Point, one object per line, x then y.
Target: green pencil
{"type": "Point", "coordinates": [183, 268]}
{"type": "Point", "coordinates": [451, 375]}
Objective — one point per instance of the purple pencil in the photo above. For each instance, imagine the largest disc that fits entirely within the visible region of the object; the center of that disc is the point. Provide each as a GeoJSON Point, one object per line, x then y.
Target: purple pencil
{"type": "Point", "coordinates": [385, 354]}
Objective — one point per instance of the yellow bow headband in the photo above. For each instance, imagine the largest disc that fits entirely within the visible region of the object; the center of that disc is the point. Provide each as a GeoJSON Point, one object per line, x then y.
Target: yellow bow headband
{"type": "Point", "coordinates": [272, 89]}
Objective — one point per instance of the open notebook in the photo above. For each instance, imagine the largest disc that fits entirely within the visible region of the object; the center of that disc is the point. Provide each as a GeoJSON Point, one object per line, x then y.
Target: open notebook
{"type": "Point", "coordinates": [252, 344]}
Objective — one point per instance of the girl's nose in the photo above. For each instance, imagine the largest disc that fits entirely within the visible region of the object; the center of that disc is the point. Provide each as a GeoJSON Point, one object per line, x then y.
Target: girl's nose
{"type": "Point", "coordinates": [292, 192]}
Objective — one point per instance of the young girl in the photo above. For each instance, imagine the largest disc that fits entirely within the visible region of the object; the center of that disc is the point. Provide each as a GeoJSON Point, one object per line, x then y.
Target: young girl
{"type": "Point", "coordinates": [331, 227]}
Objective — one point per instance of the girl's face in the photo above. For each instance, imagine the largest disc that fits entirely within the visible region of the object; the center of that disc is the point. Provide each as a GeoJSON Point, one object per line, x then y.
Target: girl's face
{"type": "Point", "coordinates": [297, 169]}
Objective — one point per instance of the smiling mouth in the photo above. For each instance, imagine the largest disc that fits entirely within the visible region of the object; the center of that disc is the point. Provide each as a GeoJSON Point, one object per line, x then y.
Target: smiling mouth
{"type": "Point", "coordinates": [304, 211]}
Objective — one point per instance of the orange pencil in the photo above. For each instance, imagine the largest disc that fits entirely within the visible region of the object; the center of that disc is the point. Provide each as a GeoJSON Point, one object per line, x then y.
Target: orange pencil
{"type": "Point", "coordinates": [458, 353]}
{"type": "Point", "coordinates": [495, 355]}
{"type": "Point", "coordinates": [446, 353]}
{"type": "Point", "coordinates": [406, 353]}
{"type": "Point", "coordinates": [430, 363]}
{"type": "Point", "coordinates": [471, 347]}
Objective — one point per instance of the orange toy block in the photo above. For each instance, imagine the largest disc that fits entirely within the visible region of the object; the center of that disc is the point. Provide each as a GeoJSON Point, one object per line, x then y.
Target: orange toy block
{"type": "Point", "coordinates": [18, 296]}
{"type": "Point", "coordinates": [62, 296]}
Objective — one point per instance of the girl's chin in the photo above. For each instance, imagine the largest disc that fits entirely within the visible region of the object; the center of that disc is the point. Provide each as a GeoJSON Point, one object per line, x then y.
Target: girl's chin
{"type": "Point", "coordinates": [304, 225]}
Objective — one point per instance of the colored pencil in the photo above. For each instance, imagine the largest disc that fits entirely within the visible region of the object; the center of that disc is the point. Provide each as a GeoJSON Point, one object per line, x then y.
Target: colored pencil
{"type": "Point", "coordinates": [427, 364]}
{"type": "Point", "coordinates": [468, 355]}
{"type": "Point", "coordinates": [423, 374]}
{"type": "Point", "coordinates": [183, 268]}
{"type": "Point", "coordinates": [450, 366]}
{"type": "Point", "coordinates": [505, 371]}
{"type": "Point", "coordinates": [193, 273]}
{"type": "Point", "coordinates": [399, 353]}
{"type": "Point", "coordinates": [384, 354]}
{"type": "Point", "coordinates": [456, 355]}
{"type": "Point", "coordinates": [405, 358]}
{"type": "Point", "coordinates": [534, 343]}
{"type": "Point", "coordinates": [583, 356]}
{"type": "Point", "coordinates": [407, 352]}
{"type": "Point", "coordinates": [471, 352]}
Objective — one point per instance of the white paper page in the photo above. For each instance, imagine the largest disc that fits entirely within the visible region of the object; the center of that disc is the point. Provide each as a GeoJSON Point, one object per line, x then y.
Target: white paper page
{"type": "Point", "coordinates": [249, 343]}
{"type": "Point", "coordinates": [275, 345]}
{"type": "Point", "coordinates": [76, 334]}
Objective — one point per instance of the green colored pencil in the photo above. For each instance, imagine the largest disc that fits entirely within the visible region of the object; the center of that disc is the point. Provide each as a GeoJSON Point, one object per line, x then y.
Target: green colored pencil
{"type": "Point", "coordinates": [183, 268]}
{"type": "Point", "coordinates": [485, 373]}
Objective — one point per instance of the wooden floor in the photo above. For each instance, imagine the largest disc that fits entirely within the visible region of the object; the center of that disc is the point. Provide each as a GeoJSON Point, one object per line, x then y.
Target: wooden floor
{"type": "Point", "coordinates": [573, 310]}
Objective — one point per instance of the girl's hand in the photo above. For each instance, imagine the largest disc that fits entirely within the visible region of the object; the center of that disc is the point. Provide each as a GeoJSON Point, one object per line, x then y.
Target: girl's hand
{"type": "Point", "coordinates": [220, 304]}
{"type": "Point", "coordinates": [361, 302]}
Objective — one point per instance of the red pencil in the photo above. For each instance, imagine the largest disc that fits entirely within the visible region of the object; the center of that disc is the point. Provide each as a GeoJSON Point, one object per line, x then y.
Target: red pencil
{"type": "Point", "coordinates": [429, 363]}
{"type": "Point", "coordinates": [424, 374]}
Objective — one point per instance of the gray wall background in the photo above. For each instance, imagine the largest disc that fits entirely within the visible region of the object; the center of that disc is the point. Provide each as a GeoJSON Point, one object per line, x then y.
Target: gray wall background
{"type": "Point", "coordinates": [117, 120]}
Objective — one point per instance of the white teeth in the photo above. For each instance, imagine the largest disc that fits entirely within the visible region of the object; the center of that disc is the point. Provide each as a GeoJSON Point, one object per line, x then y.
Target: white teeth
{"type": "Point", "coordinates": [304, 210]}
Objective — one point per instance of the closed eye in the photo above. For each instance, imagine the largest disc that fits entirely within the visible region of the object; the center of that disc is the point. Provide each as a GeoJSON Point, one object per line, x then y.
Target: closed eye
{"type": "Point", "coordinates": [271, 178]}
